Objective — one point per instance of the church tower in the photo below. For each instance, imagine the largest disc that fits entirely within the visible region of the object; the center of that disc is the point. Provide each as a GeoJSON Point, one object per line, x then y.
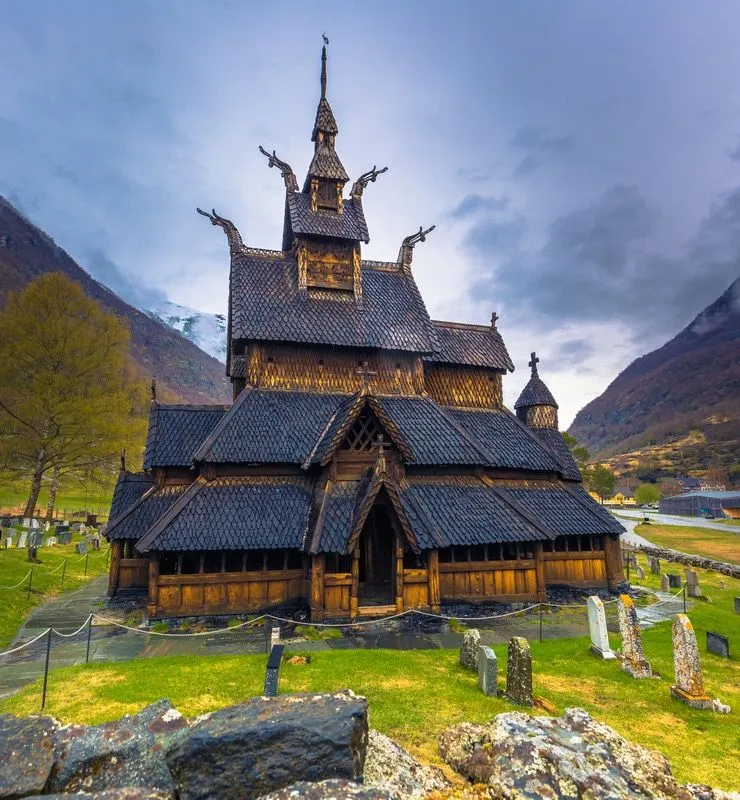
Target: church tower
{"type": "Point", "coordinates": [536, 407]}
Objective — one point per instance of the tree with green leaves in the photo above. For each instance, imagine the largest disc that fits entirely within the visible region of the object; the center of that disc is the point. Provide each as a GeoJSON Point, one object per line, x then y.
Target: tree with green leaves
{"type": "Point", "coordinates": [602, 481]}
{"type": "Point", "coordinates": [646, 494]}
{"type": "Point", "coordinates": [581, 454]}
{"type": "Point", "coordinates": [68, 403]}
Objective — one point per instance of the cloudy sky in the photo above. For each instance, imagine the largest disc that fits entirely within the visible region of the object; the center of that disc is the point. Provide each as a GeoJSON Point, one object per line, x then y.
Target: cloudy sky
{"type": "Point", "coordinates": [580, 159]}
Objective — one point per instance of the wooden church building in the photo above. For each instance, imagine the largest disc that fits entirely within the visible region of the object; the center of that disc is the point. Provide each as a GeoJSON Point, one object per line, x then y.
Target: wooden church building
{"type": "Point", "coordinates": [367, 463]}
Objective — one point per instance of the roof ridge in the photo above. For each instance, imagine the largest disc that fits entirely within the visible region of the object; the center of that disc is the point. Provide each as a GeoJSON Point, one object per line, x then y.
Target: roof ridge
{"type": "Point", "coordinates": [518, 507]}
{"type": "Point", "coordinates": [468, 326]}
{"type": "Point", "coordinates": [154, 531]}
{"type": "Point", "coordinates": [459, 428]}
{"type": "Point", "coordinates": [196, 407]}
{"type": "Point", "coordinates": [112, 524]}
{"type": "Point", "coordinates": [586, 505]}
{"type": "Point", "coordinates": [202, 452]}
{"type": "Point", "coordinates": [532, 435]}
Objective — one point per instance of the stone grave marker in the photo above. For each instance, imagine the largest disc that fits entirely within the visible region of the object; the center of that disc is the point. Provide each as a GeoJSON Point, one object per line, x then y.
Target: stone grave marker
{"type": "Point", "coordinates": [692, 583]}
{"type": "Point", "coordinates": [81, 548]}
{"type": "Point", "coordinates": [51, 541]}
{"type": "Point", "coordinates": [597, 627]}
{"type": "Point", "coordinates": [8, 542]}
{"type": "Point", "coordinates": [22, 539]}
{"type": "Point", "coordinates": [36, 538]}
{"type": "Point", "coordinates": [469, 649]}
{"type": "Point", "coordinates": [639, 572]}
{"type": "Point", "coordinates": [665, 585]}
{"type": "Point", "coordinates": [654, 565]}
{"type": "Point", "coordinates": [689, 686]}
{"type": "Point", "coordinates": [519, 672]}
{"type": "Point", "coordinates": [631, 657]}
{"type": "Point", "coordinates": [487, 670]}
{"type": "Point", "coordinates": [737, 605]}
{"type": "Point", "coordinates": [718, 644]}
{"type": "Point", "coordinates": [674, 581]}
{"type": "Point", "coordinates": [272, 674]}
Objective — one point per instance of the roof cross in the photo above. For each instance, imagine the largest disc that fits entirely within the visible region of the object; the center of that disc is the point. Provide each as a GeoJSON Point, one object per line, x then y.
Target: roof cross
{"type": "Point", "coordinates": [533, 364]}
{"type": "Point", "coordinates": [366, 373]}
{"type": "Point", "coordinates": [494, 319]}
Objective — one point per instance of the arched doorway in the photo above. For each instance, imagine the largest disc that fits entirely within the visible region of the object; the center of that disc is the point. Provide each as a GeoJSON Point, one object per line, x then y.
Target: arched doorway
{"type": "Point", "coordinates": [377, 545]}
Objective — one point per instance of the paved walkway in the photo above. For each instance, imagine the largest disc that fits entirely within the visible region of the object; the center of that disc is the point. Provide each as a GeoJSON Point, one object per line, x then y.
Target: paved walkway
{"type": "Point", "coordinates": [670, 519]}
{"type": "Point", "coordinates": [631, 537]}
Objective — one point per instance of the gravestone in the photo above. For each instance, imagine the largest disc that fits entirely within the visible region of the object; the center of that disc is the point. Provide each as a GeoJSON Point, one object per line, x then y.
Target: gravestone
{"type": "Point", "coordinates": [51, 541]}
{"type": "Point", "coordinates": [469, 649]}
{"type": "Point", "coordinates": [665, 585]}
{"type": "Point", "coordinates": [22, 539]}
{"type": "Point", "coordinates": [36, 538]}
{"type": "Point", "coordinates": [96, 543]}
{"type": "Point", "coordinates": [692, 583]}
{"type": "Point", "coordinates": [64, 536]}
{"type": "Point", "coordinates": [689, 686]}
{"type": "Point", "coordinates": [81, 548]}
{"type": "Point", "coordinates": [519, 672]}
{"type": "Point", "coordinates": [8, 542]}
{"type": "Point", "coordinates": [272, 674]}
{"type": "Point", "coordinates": [718, 644]}
{"type": "Point", "coordinates": [654, 565]}
{"type": "Point", "coordinates": [737, 605]}
{"type": "Point", "coordinates": [674, 581]}
{"type": "Point", "coordinates": [631, 657]}
{"type": "Point", "coordinates": [47, 525]}
{"type": "Point", "coordinates": [597, 627]}
{"type": "Point", "coordinates": [639, 572]}
{"type": "Point", "coordinates": [487, 670]}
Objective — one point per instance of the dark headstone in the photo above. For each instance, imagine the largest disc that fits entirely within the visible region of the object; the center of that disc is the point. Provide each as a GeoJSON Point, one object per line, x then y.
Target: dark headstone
{"type": "Point", "coordinates": [64, 536]}
{"type": "Point", "coordinates": [268, 743]}
{"type": "Point", "coordinates": [36, 538]}
{"type": "Point", "coordinates": [487, 670]}
{"type": "Point", "coordinates": [27, 747]}
{"type": "Point", "coordinates": [272, 675]}
{"type": "Point", "coordinates": [519, 672]}
{"type": "Point", "coordinates": [737, 605]}
{"type": "Point", "coordinates": [81, 548]}
{"type": "Point", "coordinates": [674, 581]}
{"type": "Point", "coordinates": [718, 644]}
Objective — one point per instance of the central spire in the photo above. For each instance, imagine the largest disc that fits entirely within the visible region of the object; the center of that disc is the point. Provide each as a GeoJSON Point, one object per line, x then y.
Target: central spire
{"type": "Point", "coordinates": [323, 72]}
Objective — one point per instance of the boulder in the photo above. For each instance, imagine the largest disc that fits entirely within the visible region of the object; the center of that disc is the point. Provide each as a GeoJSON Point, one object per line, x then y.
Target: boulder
{"type": "Point", "coordinates": [127, 753]}
{"type": "Point", "coordinates": [124, 793]}
{"type": "Point", "coordinates": [268, 743]}
{"type": "Point", "coordinates": [469, 649]}
{"type": "Point", "coordinates": [328, 790]}
{"type": "Point", "coordinates": [27, 748]}
{"type": "Point", "coordinates": [390, 768]}
{"type": "Point", "coordinates": [572, 756]}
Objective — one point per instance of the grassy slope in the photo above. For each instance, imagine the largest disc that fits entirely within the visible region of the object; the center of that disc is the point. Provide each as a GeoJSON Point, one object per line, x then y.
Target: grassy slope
{"type": "Point", "coordinates": [414, 695]}
{"type": "Point", "coordinates": [69, 499]}
{"type": "Point", "coordinates": [699, 541]}
{"type": "Point", "coordinates": [14, 565]}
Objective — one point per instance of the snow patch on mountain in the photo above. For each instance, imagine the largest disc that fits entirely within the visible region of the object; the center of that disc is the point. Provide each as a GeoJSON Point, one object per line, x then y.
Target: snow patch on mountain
{"type": "Point", "coordinates": [207, 331]}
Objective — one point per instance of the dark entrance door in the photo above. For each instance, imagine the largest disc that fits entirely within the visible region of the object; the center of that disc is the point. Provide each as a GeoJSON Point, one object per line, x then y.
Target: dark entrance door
{"type": "Point", "coordinates": [377, 558]}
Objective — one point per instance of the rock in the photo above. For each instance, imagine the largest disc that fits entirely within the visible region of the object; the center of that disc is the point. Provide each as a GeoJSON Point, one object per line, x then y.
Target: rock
{"type": "Point", "coordinates": [327, 790]}
{"type": "Point", "coordinates": [268, 743]}
{"type": "Point", "coordinates": [27, 748]}
{"type": "Point", "coordinates": [127, 753]}
{"type": "Point", "coordinates": [698, 791]}
{"type": "Point", "coordinates": [390, 768]}
{"type": "Point", "coordinates": [571, 756]}
{"type": "Point", "coordinates": [720, 708]}
{"type": "Point", "coordinates": [469, 649]}
{"type": "Point", "coordinates": [124, 793]}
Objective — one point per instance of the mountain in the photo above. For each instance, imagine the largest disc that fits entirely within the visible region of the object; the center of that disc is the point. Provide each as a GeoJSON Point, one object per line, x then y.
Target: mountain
{"type": "Point", "coordinates": [676, 406]}
{"type": "Point", "coordinates": [184, 372]}
{"type": "Point", "coordinates": [207, 331]}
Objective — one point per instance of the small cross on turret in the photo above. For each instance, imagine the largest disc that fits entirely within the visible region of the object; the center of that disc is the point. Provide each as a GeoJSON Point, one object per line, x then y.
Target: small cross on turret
{"type": "Point", "coordinates": [494, 320]}
{"type": "Point", "coordinates": [366, 373]}
{"type": "Point", "coordinates": [533, 364]}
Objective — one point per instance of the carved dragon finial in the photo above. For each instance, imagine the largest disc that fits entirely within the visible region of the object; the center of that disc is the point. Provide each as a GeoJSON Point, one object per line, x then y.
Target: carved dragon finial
{"type": "Point", "coordinates": [405, 254]}
{"type": "Point", "coordinates": [367, 177]}
{"type": "Point", "coordinates": [286, 171]}
{"type": "Point", "coordinates": [154, 389]}
{"type": "Point", "coordinates": [232, 234]}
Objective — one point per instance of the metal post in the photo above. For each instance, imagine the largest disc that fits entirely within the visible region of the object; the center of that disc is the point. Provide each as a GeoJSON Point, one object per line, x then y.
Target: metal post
{"type": "Point", "coordinates": [87, 555]}
{"type": "Point", "coordinates": [64, 569]}
{"type": "Point", "coordinates": [540, 621]}
{"type": "Point", "coordinates": [46, 669]}
{"type": "Point", "coordinates": [30, 581]}
{"type": "Point", "coordinates": [89, 634]}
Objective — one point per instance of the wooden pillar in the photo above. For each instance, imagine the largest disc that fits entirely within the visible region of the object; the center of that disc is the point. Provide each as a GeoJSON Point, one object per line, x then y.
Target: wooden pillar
{"type": "Point", "coordinates": [539, 563]}
{"type": "Point", "coordinates": [115, 566]}
{"type": "Point", "coordinates": [433, 574]}
{"type": "Point", "coordinates": [613, 561]}
{"type": "Point", "coordinates": [318, 612]}
{"type": "Point", "coordinates": [153, 603]}
{"type": "Point", "coordinates": [399, 574]}
{"type": "Point", "coordinates": [354, 597]}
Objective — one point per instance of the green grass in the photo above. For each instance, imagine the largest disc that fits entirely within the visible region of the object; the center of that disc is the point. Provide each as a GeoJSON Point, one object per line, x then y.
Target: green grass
{"type": "Point", "coordinates": [70, 499]}
{"type": "Point", "coordinates": [14, 565]}
{"type": "Point", "coordinates": [414, 695]}
{"type": "Point", "coordinates": [698, 541]}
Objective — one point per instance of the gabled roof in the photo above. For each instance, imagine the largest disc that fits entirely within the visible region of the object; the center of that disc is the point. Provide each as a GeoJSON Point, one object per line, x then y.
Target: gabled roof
{"type": "Point", "coordinates": [553, 440]}
{"type": "Point", "coordinates": [470, 345]}
{"type": "Point", "coordinates": [535, 393]}
{"type": "Point", "coordinates": [240, 513]}
{"type": "Point", "coordinates": [136, 520]}
{"type": "Point", "coordinates": [176, 431]}
{"type": "Point", "coordinates": [266, 305]}
{"type": "Point", "coordinates": [350, 224]}
{"type": "Point", "coordinates": [130, 486]}
{"type": "Point", "coordinates": [337, 509]}
{"type": "Point", "coordinates": [326, 164]}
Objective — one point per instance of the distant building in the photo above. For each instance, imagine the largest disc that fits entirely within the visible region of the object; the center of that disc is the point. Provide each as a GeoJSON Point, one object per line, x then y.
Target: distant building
{"type": "Point", "coordinates": [689, 484]}
{"type": "Point", "coordinates": [624, 498]}
{"type": "Point", "coordinates": [703, 503]}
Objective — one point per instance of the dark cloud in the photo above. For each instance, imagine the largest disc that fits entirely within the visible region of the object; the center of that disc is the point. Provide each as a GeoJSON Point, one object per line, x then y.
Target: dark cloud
{"type": "Point", "coordinates": [574, 351]}
{"type": "Point", "coordinates": [539, 147]}
{"type": "Point", "coordinates": [475, 204]}
{"type": "Point", "coordinates": [127, 286]}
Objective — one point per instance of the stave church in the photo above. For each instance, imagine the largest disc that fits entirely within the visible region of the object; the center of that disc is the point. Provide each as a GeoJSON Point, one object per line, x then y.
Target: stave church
{"type": "Point", "coordinates": [367, 463]}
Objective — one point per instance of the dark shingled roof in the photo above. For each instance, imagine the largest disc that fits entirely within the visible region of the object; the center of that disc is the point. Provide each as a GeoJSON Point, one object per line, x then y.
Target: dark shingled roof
{"type": "Point", "coordinates": [325, 120]}
{"type": "Point", "coordinates": [463, 510]}
{"type": "Point", "coordinates": [535, 393]}
{"type": "Point", "coordinates": [553, 439]}
{"type": "Point", "coordinates": [350, 224]}
{"type": "Point", "coordinates": [339, 512]}
{"type": "Point", "coordinates": [267, 306]}
{"type": "Point", "coordinates": [270, 426]}
{"type": "Point", "coordinates": [176, 432]}
{"type": "Point", "coordinates": [139, 517]}
{"type": "Point", "coordinates": [326, 164]}
{"type": "Point", "coordinates": [242, 513]}
{"type": "Point", "coordinates": [561, 509]}
{"type": "Point", "coordinates": [471, 345]}
{"type": "Point", "coordinates": [130, 486]}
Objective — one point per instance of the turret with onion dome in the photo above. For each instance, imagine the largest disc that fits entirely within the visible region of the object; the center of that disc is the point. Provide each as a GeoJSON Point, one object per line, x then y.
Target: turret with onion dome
{"type": "Point", "coordinates": [536, 407]}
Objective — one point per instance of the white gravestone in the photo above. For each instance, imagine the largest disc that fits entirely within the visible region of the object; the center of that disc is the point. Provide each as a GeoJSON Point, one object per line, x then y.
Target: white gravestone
{"type": "Point", "coordinates": [597, 627]}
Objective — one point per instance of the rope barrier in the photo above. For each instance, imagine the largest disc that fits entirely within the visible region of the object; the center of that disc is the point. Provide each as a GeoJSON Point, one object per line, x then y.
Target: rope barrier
{"type": "Point", "coordinates": [26, 644]}
{"type": "Point", "coordinates": [20, 583]}
{"type": "Point", "coordinates": [162, 633]}
{"type": "Point", "coordinates": [70, 635]}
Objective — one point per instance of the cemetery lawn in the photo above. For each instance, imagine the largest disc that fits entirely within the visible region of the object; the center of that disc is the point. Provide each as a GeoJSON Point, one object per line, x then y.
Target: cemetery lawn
{"type": "Point", "coordinates": [46, 581]}
{"type": "Point", "coordinates": [704, 542]}
{"type": "Point", "coordinates": [414, 695]}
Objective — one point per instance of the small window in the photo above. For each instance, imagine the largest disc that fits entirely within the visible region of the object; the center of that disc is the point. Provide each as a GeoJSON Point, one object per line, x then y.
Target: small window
{"type": "Point", "coordinates": [412, 560]}
{"type": "Point", "coordinates": [255, 561]}
{"type": "Point", "coordinates": [233, 561]}
{"type": "Point", "coordinates": [338, 562]}
{"type": "Point", "coordinates": [460, 554]}
{"type": "Point", "coordinates": [561, 545]}
{"type": "Point", "coordinates": [445, 555]}
{"type": "Point", "coordinates": [168, 564]}
{"type": "Point", "coordinates": [275, 559]}
{"type": "Point", "coordinates": [295, 559]}
{"type": "Point", "coordinates": [511, 551]}
{"type": "Point", "coordinates": [190, 564]}
{"type": "Point", "coordinates": [478, 552]}
{"type": "Point", "coordinates": [527, 550]}
{"type": "Point", "coordinates": [212, 561]}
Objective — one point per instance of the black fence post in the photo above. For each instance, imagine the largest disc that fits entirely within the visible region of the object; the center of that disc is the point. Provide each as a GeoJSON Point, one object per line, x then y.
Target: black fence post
{"type": "Point", "coordinates": [89, 634]}
{"type": "Point", "coordinates": [64, 569]}
{"type": "Point", "coordinates": [87, 555]}
{"type": "Point", "coordinates": [46, 668]}
{"type": "Point", "coordinates": [30, 581]}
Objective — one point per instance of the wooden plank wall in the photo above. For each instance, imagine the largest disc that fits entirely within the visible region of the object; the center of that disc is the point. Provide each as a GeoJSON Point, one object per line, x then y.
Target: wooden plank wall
{"type": "Point", "coordinates": [575, 569]}
{"type": "Point", "coordinates": [484, 580]}
{"type": "Point", "coordinates": [337, 590]}
{"type": "Point", "coordinates": [227, 592]}
{"type": "Point", "coordinates": [415, 588]}
{"type": "Point", "coordinates": [133, 573]}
